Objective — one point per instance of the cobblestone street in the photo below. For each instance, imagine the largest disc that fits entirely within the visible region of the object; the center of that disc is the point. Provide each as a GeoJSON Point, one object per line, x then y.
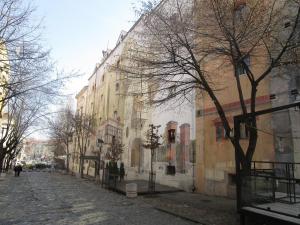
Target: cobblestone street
{"type": "Point", "coordinates": [52, 198]}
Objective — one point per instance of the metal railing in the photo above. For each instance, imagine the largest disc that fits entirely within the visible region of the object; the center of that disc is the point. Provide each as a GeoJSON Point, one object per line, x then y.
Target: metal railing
{"type": "Point", "coordinates": [271, 182]}
{"type": "Point", "coordinates": [109, 180]}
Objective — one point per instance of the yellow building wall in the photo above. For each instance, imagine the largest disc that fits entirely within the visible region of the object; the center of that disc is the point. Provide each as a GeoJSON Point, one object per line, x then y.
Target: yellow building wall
{"type": "Point", "coordinates": [215, 160]}
{"type": "Point", "coordinates": [103, 98]}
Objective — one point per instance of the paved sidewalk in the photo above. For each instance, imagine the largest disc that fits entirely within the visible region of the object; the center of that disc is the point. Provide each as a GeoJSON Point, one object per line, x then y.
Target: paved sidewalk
{"type": "Point", "coordinates": [198, 208]}
{"type": "Point", "coordinates": [42, 198]}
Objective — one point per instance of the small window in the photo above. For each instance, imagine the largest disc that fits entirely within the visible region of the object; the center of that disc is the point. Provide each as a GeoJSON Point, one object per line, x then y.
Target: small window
{"type": "Point", "coordinates": [220, 132]}
{"type": "Point", "coordinates": [117, 86]}
{"type": "Point", "coordinates": [115, 114]}
{"type": "Point", "coordinates": [101, 97]}
{"type": "Point", "coordinates": [103, 77]}
{"type": "Point", "coordinates": [240, 67]}
{"type": "Point", "coordinates": [199, 113]}
{"type": "Point", "coordinates": [244, 131]}
{"type": "Point", "coordinates": [127, 132]}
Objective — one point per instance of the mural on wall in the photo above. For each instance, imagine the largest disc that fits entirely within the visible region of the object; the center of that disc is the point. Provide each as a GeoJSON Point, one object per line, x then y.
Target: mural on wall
{"type": "Point", "coordinates": [178, 135]}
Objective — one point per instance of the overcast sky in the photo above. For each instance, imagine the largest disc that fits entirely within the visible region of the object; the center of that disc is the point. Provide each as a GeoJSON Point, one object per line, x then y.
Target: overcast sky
{"type": "Point", "coordinates": [78, 30]}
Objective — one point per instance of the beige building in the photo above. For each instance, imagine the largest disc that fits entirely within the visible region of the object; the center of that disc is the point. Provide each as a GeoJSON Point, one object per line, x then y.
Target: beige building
{"type": "Point", "coordinates": [103, 99]}
{"type": "Point", "coordinates": [118, 112]}
{"type": "Point", "coordinates": [215, 154]}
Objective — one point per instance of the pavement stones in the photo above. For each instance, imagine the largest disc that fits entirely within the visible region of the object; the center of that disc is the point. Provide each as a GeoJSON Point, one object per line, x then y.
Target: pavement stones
{"type": "Point", "coordinates": [51, 198]}
{"type": "Point", "coordinates": [201, 209]}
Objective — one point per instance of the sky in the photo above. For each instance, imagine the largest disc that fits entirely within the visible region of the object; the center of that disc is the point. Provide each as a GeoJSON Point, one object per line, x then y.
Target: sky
{"type": "Point", "coordinates": [77, 31]}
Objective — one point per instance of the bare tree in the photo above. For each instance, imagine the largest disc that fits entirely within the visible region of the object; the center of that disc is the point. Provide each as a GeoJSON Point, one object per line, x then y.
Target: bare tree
{"type": "Point", "coordinates": [23, 59]}
{"type": "Point", "coordinates": [115, 151]}
{"type": "Point", "coordinates": [21, 116]}
{"type": "Point", "coordinates": [152, 143]}
{"type": "Point", "coordinates": [26, 71]}
{"type": "Point", "coordinates": [177, 41]}
{"type": "Point", "coordinates": [84, 127]}
{"type": "Point", "coordinates": [61, 129]}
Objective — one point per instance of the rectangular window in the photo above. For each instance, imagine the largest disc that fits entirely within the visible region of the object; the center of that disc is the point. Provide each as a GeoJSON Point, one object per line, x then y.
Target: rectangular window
{"type": "Point", "coordinates": [220, 132]}
{"type": "Point", "coordinates": [241, 68]}
{"type": "Point", "coordinates": [244, 131]}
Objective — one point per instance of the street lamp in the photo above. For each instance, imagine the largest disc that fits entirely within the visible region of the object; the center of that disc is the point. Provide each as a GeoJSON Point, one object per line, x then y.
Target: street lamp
{"type": "Point", "coordinates": [99, 144]}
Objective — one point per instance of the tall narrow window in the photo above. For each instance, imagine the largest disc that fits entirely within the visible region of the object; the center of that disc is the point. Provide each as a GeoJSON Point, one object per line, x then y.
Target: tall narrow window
{"type": "Point", "coordinates": [219, 132]}
{"type": "Point", "coordinates": [127, 131]}
{"type": "Point", "coordinates": [244, 131]}
{"type": "Point", "coordinates": [172, 135]}
{"type": "Point", "coordinates": [117, 86]}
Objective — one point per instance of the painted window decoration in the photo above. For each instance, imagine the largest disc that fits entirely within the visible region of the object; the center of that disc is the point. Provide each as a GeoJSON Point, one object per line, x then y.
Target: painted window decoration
{"type": "Point", "coordinates": [175, 155]}
{"type": "Point", "coordinates": [171, 135]}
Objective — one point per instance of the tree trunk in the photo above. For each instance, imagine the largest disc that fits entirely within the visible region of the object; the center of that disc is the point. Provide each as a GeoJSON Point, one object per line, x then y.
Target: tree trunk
{"type": "Point", "coordinates": [81, 166]}
{"type": "Point", "coordinates": [1, 163]}
{"type": "Point", "coordinates": [8, 161]}
{"type": "Point", "coordinates": [68, 158]}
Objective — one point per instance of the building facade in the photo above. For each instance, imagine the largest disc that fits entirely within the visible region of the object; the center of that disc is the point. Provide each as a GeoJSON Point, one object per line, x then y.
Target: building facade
{"type": "Point", "coordinates": [195, 153]}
